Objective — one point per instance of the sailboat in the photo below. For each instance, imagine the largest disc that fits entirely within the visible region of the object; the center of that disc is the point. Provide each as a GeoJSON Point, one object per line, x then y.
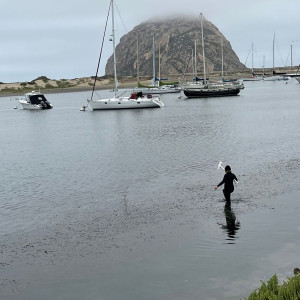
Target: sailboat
{"type": "Point", "coordinates": [209, 89]}
{"type": "Point", "coordinates": [276, 76]}
{"type": "Point", "coordinates": [232, 81]}
{"type": "Point", "coordinates": [253, 77]}
{"type": "Point", "coordinates": [160, 88]}
{"type": "Point", "coordinates": [135, 100]}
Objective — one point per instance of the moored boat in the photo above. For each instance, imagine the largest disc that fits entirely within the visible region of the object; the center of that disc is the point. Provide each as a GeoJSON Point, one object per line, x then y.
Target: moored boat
{"type": "Point", "coordinates": [211, 91]}
{"type": "Point", "coordinates": [135, 100]}
{"type": "Point", "coordinates": [276, 78]}
{"type": "Point", "coordinates": [35, 101]}
{"type": "Point", "coordinates": [252, 78]}
{"type": "Point", "coordinates": [158, 86]}
{"type": "Point", "coordinates": [158, 89]}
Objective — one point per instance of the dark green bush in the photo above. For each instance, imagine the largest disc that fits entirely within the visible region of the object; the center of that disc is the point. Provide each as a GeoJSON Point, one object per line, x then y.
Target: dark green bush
{"type": "Point", "coordinates": [49, 86]}
{"type": "Point", "coordinates": [45, 79]}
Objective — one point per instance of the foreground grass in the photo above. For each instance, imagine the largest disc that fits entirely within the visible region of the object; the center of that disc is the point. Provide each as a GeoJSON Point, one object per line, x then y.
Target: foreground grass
{"type": "Point", "coordinates": [289, 290]}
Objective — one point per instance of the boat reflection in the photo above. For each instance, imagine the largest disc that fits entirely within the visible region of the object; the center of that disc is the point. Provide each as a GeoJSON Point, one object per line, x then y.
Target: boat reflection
{"type": "Point", "coordinates": [232, 223]}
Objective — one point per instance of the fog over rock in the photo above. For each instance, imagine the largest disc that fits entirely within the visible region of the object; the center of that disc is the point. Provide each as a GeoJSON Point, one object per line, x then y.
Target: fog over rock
{"type": "Point", "coordinates": [175, 37]}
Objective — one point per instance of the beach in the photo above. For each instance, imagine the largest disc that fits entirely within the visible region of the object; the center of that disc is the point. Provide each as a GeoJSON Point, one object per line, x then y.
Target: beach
{"type": "Point", "coordinates": [47, 85]}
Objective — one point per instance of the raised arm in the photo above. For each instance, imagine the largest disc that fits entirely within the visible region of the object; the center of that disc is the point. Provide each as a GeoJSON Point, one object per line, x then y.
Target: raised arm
{"type": "Point", "coordinates": [235, 179]}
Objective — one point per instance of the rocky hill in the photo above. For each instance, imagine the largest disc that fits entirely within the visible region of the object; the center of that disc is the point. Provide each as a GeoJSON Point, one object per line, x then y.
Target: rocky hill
{"type": "Point", "coordinates": [175, 37]}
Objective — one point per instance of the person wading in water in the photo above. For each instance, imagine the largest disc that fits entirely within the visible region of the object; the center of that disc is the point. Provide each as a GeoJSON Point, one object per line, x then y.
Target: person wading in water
{"type": "Point", "coordinates": [228, 183]}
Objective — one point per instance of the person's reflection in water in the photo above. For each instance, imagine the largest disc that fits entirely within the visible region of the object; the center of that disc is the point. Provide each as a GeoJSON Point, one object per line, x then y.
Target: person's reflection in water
{"type": "Point", "coordinates": [232, 224]}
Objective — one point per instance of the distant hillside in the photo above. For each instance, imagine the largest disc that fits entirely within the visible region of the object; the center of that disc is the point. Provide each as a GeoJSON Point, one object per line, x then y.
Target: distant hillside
{"type": "Point", "coordinates": [176, 39]}
{"type": "Point", "coordinates": [44, 83]}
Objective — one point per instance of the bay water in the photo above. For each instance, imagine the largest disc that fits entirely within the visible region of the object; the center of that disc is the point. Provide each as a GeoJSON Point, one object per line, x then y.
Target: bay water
{"type": "Point", "coordinates": [121, 204]}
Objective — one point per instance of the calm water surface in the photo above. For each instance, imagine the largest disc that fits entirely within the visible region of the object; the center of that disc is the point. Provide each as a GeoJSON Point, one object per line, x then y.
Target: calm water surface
{"type": "Point", "coordinates": [120, 204]}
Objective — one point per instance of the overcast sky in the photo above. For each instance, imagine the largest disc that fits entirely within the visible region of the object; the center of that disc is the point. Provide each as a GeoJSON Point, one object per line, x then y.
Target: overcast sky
{"type": "Point", "coordinates": [61, 38]}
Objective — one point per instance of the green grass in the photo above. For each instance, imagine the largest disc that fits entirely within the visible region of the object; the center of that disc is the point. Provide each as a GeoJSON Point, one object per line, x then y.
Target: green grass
{"type": "Point", "coordinates": [289, 290]}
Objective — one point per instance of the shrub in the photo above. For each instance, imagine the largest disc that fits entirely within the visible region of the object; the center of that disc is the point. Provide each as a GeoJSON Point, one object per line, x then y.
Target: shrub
{"type": "Point", "coordinates": [289, 290]}
{"type": "Point", "coordinates": [63, 84]}
{"type": "Point", "coordinates": [81, 80]}
{"type": "Point", "coordinates": [49, 86]}
{"type": "Point", "coordinates": [45, 79]}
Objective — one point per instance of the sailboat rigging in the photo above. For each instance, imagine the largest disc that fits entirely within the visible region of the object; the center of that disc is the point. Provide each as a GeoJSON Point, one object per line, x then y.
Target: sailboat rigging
{"type": "Point", "coordinates": [160, 87]}
{"type": "Point", "coordinates": [275, 75]}
{"type": "Point", "coordinates": [254, 77]}
{"type": "Point", "coordinates": [135, 100]}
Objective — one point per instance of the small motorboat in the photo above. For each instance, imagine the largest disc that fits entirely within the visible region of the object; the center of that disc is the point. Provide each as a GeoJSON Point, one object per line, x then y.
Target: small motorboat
{"type": "Point", "coordinates": [35, 100]}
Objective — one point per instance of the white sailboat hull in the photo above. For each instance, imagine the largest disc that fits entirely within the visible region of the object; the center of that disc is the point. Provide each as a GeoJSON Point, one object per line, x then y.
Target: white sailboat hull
{"type": "Point", "coordinates": [254, 78]}
{"type": "Point", "coordinates": [275, 78]}
{"type": "Point", "coordinates": [125, 103]}
{"type": "Point", "coordinates": [158, 90]}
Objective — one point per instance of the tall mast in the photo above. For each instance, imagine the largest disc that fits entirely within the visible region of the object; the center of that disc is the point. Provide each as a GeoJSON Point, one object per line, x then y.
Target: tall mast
{"type": "Point", "coordinates": [222, 57]}
{"type": "Point", "coordinates": [137, 60]}
{"type": "Point", "coordinates": [291, 57]}
{"type": "Point", "coordinates": [100, 53]}
{"type": "Point", "coordinates": [159, 61]}
{"type": "Point", "coordinates": [153, 49]}
{"type": "Point", "coordinates": [114, 46]}
{"type": "Point", "coordinates": [195, 60]}
{"type": "Point", "coordinates": [203, 53]}
{"type": "Point", "coordinates": [273, 53]}
{"type": "Point", "coordinates": [252, 58]}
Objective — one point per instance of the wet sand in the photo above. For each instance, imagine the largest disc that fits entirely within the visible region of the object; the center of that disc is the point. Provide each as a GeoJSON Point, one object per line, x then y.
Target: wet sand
{"type": "Point", "coordinates": [132, 232]}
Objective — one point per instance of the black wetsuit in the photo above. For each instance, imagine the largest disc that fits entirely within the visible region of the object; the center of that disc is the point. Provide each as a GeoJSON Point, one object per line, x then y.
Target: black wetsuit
{"type": "Point", "coordinates": [228, 187]}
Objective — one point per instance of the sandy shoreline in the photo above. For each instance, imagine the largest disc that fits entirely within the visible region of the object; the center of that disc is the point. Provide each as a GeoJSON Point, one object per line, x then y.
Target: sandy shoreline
{"type": "Point", "coordinates": [50, 86]}
{"type": "Point", "coordinates": [47, 85]}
